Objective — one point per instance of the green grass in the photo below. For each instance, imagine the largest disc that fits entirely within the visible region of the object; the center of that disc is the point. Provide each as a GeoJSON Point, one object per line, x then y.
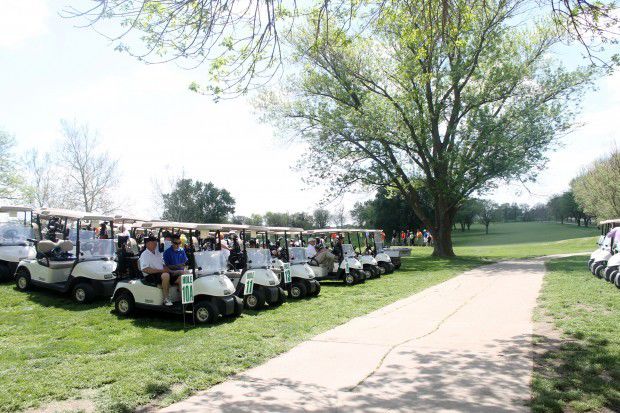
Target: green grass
{"type": "Point", "coordinates": [51, 349]}
{"type": "Point", "coordinates": [523, 240]}
{"type": "Point", "coordinates": [581, 371]}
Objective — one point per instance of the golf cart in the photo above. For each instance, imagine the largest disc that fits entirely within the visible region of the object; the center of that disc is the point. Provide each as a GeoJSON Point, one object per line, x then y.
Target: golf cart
{"type": "Point", "coordinates": [303, 282]}
{"type": "Point", "coordinates": [606, 226]}
{"type": "Point", "coordinates": [366, 256]}
{"type": "Point", "coordinates": [266, 285]}
{"type": "Point", "coordinates": [600, 257]}
{"type": "Point", "coordinates": [213, 293]}
{"type": "Point", "coordinates": [383, 259]}
{"type": "Point", "coordinates": [349, 269]}
{"type": "Point", "coordinates": [16, 240]}
{"type": "Point", "coordinates": [73, 262]}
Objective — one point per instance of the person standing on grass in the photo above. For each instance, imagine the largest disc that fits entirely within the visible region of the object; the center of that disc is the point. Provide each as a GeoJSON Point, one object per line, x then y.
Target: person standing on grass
{"type": "Point", "coordinates": [412, 238]}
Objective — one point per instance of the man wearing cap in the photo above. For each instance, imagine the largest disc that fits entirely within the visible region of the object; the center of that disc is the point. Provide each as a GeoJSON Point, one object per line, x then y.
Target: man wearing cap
{"type": "Point", "coordinates": [175, 257]}
{"type": "Point", "coordinates": [152, 266]}
{"type": "Point", "coordinates": [311, 249]}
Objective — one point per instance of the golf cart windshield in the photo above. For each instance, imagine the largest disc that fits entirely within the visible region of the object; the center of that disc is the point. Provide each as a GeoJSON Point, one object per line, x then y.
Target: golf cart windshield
{"type": "Point", "coordinates": [298, 255]}
{"type": "Point", "coordinates": [210, 262]}
{"type": "Point", "coordinates": [258, 258]}
{"type": "Point", "coordinates": [85, 235]}
{"type": "Point", "coordinates": [347, 250]}
{"type": "Point", "coordinates": [97, 248]}
{"type": "Point", "coordinates": [379, 245]}
{"type": "Point", "coordinates": [14, 234]}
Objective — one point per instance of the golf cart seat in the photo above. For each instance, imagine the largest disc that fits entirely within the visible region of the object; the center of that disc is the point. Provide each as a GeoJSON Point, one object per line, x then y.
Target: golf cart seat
{"type": "Point", "coordinates": [47, 257]}
{"type": "Point", "coordinates": [146, 281]}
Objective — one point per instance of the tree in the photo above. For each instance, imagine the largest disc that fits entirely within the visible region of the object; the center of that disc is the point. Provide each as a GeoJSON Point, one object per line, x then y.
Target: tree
{"type": "Point", "coordinates": [277, 219]}
{"type": "Point", "coordinates": [239, 220]}
{"type": "Point", "coordinates": [195, 201]}
{"type": "Point", "coordinates": [338, 217]}
{"type": "Point", "coordinates": [41, 189]}
{"type": "Point", "coordinates": [321, 217]}
{"type": "Point", "coordinates": [487, 213]}
{"type": "Point", "coordinates": [89, 173]}
{"type": "Point", "coordinates": [10, 181]}
{"type": "Point", "coordinates": [447, 103]}
{"type": "Point", "coordinates": [597, 189]}
{"type": "Point", "coordinates": [255, 219]}
{"type": "Point", "coordinates": [241, 41]}
{"type": "Point", "coordinates": [559, 208]}
{"type": "Point", "coordinates": [301, 220]}
{"type": "Point", "coordinates": [467, 213]}
{"type": "Point", "coordinates": [364, 214]}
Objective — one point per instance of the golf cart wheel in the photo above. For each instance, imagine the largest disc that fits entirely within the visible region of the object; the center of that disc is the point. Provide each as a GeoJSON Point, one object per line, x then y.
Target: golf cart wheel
{"type": "Point", "coordinates": [349, 279]}
{"type": "Point", "coordinates": [238, 307]}
{"type": "Point", "coordinates": [617, 280]}
{"type": "Point", "coordinates": [281, 297]}
{"type": "Point", "coordinates": [83, 293]}
{"type": "Point", "coordinates": [22, 279]}
{"type": "Point", "coordinates": [254, 301]}
{"type": "Point", "coordinates": [205, 312]}
{"type": "Point", "coordinates": [387, 267]}
{"type": "Point", "coordinates": [124, 304]}
{"type": "Point", "coordinates": [5, 272]}
{"type": "Point", "coordinates": [317, 290]}
{"type": "Point", "coordinates": [298, 290]}
{"type": "Point", "coordinates": [360, 276]}
{"type": "Point", "coordinates": [612, 276]}
{"type": "Point", "coordinates": [381, 270]}
{"type": "Point", "coordinates": [599, 270]}
{"type": "Point", "coordinates": [590, 262]}
{"type": "Point", "coordinates": [607, 273]}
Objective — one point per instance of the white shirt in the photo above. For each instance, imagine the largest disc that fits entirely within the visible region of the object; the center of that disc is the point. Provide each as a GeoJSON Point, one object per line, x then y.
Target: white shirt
{"type": "Point", "coordinates": [310, 251]}
{"type": "Point", "coordinates": [154, 260]}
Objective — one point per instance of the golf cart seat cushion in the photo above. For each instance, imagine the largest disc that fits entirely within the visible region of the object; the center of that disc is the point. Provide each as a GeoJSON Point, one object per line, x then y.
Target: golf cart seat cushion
{"type": "Point", "coordinates": [65, 245]}
{"type": "Point", "coordinates": [45, 246]}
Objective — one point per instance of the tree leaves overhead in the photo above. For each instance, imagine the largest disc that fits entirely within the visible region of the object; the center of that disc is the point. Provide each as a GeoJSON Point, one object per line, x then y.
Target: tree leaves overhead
{"type": "Point", "coordinates": [195, 201]}
{"type": "Point", "coordinates": [597, 189]}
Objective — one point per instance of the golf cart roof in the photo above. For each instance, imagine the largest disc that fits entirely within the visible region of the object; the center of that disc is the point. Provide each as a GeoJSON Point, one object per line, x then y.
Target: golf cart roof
{"type": "Point", "coordinates": [130, 219]}
{"type": "Point", "coordinates": [610, 221]}
{"type": "Point", "coordinates": [169, 225]}
{"type": "Point", "coordinates": [209, 227]}
{"type": "Point", "coordinates": [328, 230]}
{"type": "Point", "coordinates": [282, 230]}
{"type": "Point", "coordinates": [94, 216]}
{"type": "Point", "coordinates": [15, 208]}
{"type": "Point", "coordinates": [240, 227]}
{"type": "Point", "coordinates": [63, 213]}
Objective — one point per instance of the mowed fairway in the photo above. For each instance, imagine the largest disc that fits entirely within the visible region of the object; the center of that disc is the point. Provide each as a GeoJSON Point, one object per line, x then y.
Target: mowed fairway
{"type": "Point", "coordinates": [51, 349]}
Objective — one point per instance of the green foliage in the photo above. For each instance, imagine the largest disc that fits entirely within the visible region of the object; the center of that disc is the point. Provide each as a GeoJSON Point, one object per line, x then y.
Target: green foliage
{"type": "Point", "coordinates": [301, 220]}
{"type": "Point", "coordinates": [581, 370]}
{"type": "Point", "coordinates": [433, 105]}
{"type": "Point", "coordinates": [597, 189]}
{"type": "Point", "coordinates": [197, 201]}
{"type": "Point", "coordinates": [255, 219]}
{"type": "Point", "coordinates": [10, 182]}
{"type": "Point", "coordinates": [320, 217]}
{"type": "Point", "coordinates": [277, 219]}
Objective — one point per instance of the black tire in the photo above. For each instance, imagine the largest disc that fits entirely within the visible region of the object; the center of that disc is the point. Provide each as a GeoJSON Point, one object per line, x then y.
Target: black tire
{"type": "Point", "coordinates": [613, 276]}
{"type": "Point", "coordinates": [205, 312]}
{"type": "Point", "coordinates": [349, 279]}
{"type": "Point", "coordinates": [360, 276]}
{"type": "Point", "coordinates": [256, 300]}
{"type": "Point", "coordinates": [5, 272]}
{"type": "Point", "coordinates": [617, 280]}
{"type": "Point", "coordinates": [22, 279]}
{"type": "Point", "coordinates": [607, 273]}
{"type": "Point", "coordinates": [590, 262]}
{"type": "Point", "coordinates": [124, 304]}
{"type": "Point", "coordinates": [317, 291]}
{"type": "Point", "coordinates": [298, 290]}
{"type": "Point", "coordinates": [381, 270]}
{"type": "Point", "coordinates": [281, 298]}
{"type": "Point", "coordinates": [83, 293]}
{"type": "Point", "coordinates": [599, 270]}
{"type": "Point", "coordinates": [397, 264]}
{"type": "Point", "coordinates": [238, 307]}
{"type": "Point", "coordinates": [387, 266]}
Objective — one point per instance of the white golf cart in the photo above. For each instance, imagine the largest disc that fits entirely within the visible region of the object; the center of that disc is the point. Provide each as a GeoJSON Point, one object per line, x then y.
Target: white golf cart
{"type": "Point", "coordinates": [349, 269]}
{"type": "Point", "coordinates": [600, 257]}
{"type": "Point", "coordinates": [213, 292]}
{"type": "Point", "coordinates": [16, 240]}
{"type": "Point", "coordinates": [365, 255]}
{"type": "Point", "coordinates": [85, 266]}
{"type": "Point", "coordinates": [383, 259]}
{"type": "Point", "coordinates": [266, 285]}
{"type": "Point", "coordinates": [303, 282]}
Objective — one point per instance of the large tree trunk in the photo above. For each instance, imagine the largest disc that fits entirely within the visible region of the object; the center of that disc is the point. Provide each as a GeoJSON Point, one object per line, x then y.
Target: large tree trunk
{"type": "Point", "coordinates": [442, 233]}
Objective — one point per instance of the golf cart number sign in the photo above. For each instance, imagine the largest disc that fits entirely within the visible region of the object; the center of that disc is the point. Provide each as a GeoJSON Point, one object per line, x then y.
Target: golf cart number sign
{"type": "Point", "coordinates": [187, 288]}
{"type": "Point", "coordinates": [249, 283]}
{"type": "Point", "coordinates": [287, 273]}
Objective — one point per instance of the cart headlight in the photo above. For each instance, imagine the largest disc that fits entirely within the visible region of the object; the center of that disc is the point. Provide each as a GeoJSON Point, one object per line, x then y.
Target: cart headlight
{"type": "Point", "coordinates": [227, 292]}
{"type": "Point", "coordinates": [108, 276]}
{"type": "Point", "coordinates": [272, 283]}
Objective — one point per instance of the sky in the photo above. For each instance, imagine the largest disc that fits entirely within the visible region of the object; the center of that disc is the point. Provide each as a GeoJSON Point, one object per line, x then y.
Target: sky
{"type": "Point", "coordinates": [157, 128]}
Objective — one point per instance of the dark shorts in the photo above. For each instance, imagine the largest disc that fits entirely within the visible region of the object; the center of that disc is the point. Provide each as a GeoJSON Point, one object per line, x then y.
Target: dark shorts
{"type": "Point", "coordinates": [156, 278]}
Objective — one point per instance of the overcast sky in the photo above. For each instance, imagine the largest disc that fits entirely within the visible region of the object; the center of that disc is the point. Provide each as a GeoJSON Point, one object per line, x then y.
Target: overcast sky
{"type": "Point", "coordinates": [148, 119]}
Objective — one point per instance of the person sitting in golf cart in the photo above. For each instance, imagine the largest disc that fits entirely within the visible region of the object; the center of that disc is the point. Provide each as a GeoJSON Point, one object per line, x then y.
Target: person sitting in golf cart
{"type": "Point", "coordinates": [152, 266]}
{"type": "Point", "coordinates": [311, 248]}
{"type": "Point", "coordinates": [175, 258]}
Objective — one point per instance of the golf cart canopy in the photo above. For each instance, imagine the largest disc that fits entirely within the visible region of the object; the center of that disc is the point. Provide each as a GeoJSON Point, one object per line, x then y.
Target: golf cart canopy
{"type": "Point", "coordinates": [169, 225]}
{"type": "Point", "coordinates": [62, 213]}
{"type": "Point", "coordinates": [130, 219]}
{"type": "Point", "coordinates": [94, 216]}
{"type": "Point", "coordinates": [15, 208]}
{"type": "Point", "coordinates": [209, 227]}
{"type": "Point", "coordinates": [610, 221]}
{"type": "Point", "coordinates": [282, 230]}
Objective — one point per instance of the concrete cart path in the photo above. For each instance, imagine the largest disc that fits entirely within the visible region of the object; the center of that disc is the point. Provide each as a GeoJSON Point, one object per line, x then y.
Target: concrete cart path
{"type": "Point", "coordinates": [461, 346]}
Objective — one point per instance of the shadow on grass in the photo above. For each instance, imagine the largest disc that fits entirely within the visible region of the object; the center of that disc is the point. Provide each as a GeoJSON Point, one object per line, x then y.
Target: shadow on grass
{"type": "Point", "coordinates": [48, 298]}
{"type": "Point", "coordinates": [576, 376]}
